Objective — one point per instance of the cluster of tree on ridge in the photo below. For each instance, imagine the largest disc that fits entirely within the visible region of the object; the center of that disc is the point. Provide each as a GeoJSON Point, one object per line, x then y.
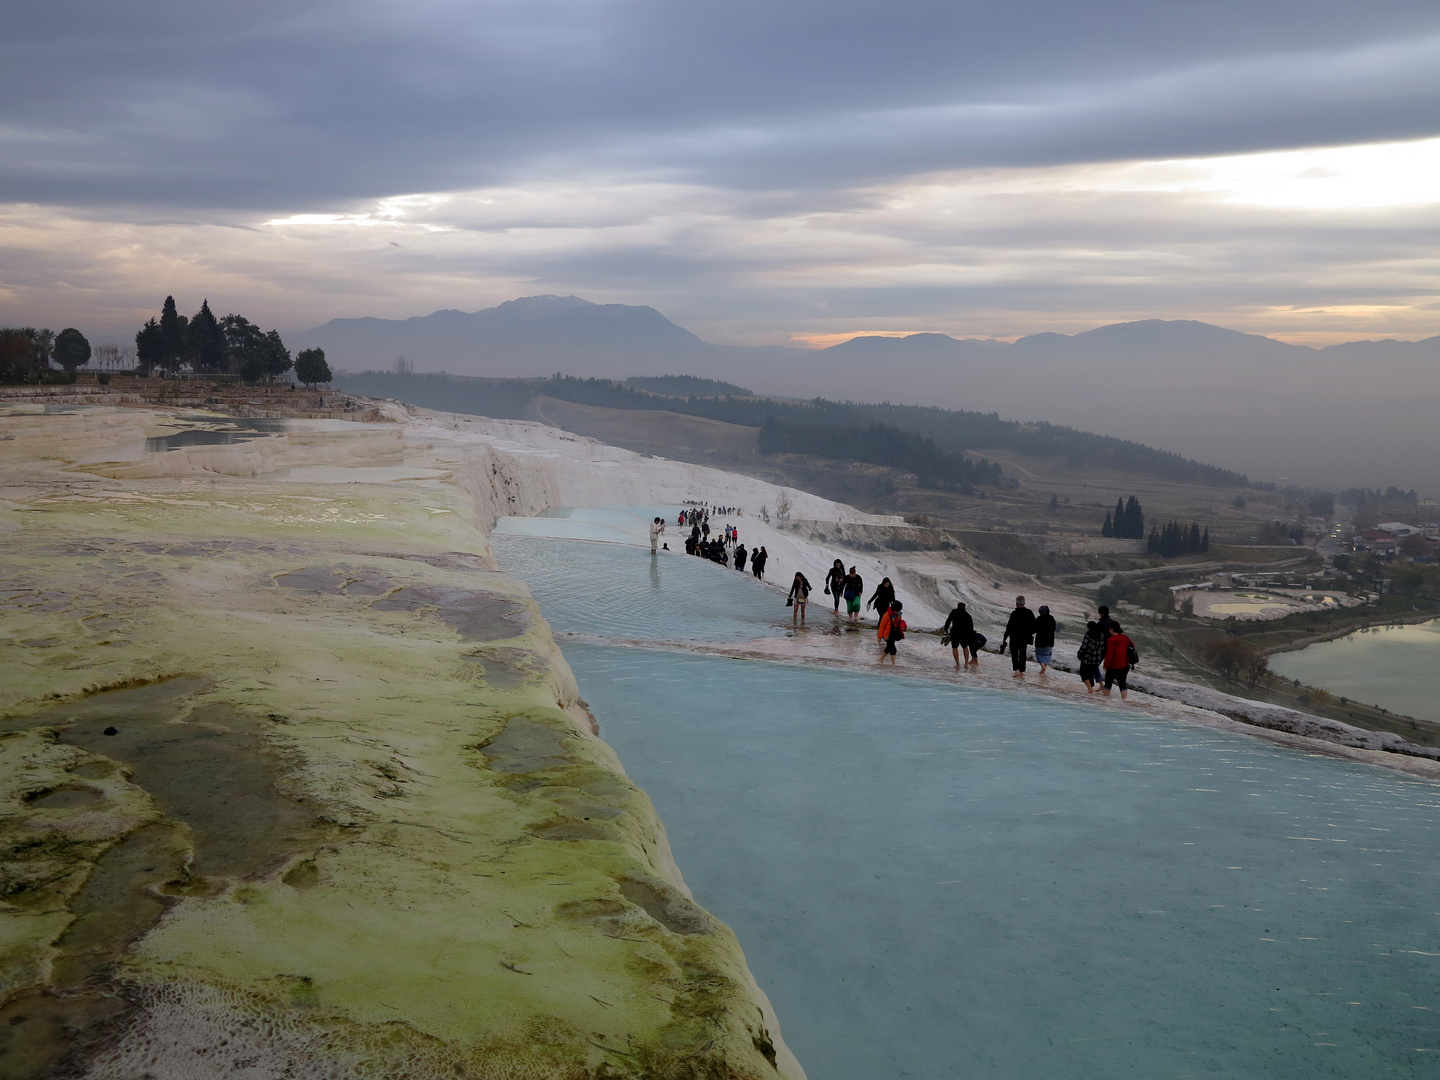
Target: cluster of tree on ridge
{"type": "Point", "coordinates": [1175, 539]}
{"type": "Point", "coordinates": [1127, 522]}
{"type": "Point", "coordinates": [231, 344]}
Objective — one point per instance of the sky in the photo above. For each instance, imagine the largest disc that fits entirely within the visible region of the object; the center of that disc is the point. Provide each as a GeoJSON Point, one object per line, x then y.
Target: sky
{"type": "Point", "coordinates": [760, 172]}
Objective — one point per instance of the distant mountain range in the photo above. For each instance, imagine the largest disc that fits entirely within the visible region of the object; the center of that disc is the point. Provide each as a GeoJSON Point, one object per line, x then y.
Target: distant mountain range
{"type": "Point", "coordinates": [1363, 412]}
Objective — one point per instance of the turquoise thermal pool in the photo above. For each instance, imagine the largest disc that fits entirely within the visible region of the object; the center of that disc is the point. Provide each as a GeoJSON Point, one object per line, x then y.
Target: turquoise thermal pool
{"type": "Point", "coordinates": [936, 881]}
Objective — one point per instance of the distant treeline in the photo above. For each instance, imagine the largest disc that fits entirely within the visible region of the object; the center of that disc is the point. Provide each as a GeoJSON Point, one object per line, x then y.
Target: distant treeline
{"type": "Point", "coordinates": [1365, 496]}
{"type": "Point", "coordinates": [1175, 539]}
{"type": "Point", "coordinates": [879, 444]}
{"type": "Point", "coordinates": [687, 386]}
{"type": "Point", "coordinates": [956, 431]}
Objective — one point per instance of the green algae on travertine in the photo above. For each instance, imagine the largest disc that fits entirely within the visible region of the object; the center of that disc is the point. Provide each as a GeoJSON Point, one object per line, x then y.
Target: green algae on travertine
{"type": "Point", "coordinates": [441, 871]}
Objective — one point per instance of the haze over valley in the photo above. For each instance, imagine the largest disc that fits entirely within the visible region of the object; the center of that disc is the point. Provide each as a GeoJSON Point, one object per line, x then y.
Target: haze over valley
{"type": "Point", "coordinates": [1276, 411]}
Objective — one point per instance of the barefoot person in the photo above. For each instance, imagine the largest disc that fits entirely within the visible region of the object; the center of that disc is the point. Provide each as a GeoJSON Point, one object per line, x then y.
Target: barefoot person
{"type": "Point", "coordinates": [882, 598]}
{"type": "Point", "coordinates": [854, 590]}
{"type": "Point", "coordinates": [758, 559]}
{"type": "Point", "coordinates": [891, 629]}
{"type": "Point", "coordinates": [1119, 656]}
{"type": "Point", "coordinates": [657, 529]}
{"type": "Point", "coordinates": [1019, 631]}
{"type": "Point", "coordinates": [959, 631]}
{"type": "Point", "coordinates": [1091, 652]}
{"type": "Point", "coordinates": [799, 594]}
{"type": "Point", "coordinates": [835, 584]}
{"type": "Point", "coordinates": [1044, 638]}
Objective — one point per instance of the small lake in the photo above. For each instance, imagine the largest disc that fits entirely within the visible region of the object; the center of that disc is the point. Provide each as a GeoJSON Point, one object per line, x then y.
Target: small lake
{"type": "Point", "coordinates": [1395, 667]}
{"type": "Point", "coordinates": [938, 881]}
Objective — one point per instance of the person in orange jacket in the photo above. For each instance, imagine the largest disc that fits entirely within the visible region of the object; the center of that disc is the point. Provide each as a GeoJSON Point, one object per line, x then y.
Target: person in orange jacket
{"type": "Point", "coordinates": [891, 629]}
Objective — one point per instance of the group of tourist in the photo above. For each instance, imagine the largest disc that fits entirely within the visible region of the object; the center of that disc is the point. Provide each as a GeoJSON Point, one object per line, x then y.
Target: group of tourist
{"type": "Point", "coordinates": [699, 514]}
{"type": "Point", "coordinates": [1105, 644]}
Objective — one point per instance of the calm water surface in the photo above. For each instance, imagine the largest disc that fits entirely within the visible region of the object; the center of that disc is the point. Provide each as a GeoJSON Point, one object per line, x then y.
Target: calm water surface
{"type": "Point", "coordinates": [1396, 667]}
{"type": "Point", "coordinates": [933, 881]}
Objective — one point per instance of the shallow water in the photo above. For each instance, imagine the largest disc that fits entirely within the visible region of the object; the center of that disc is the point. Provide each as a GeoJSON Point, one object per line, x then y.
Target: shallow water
{"type": "Point", "coordinates": [936, 881]}
{"type": "Point", "coordinates": [221, 432]}
{"type": "Point", "coordinates": [1396, 667]}
{"type": "Point", "coordinates": [621, 591]}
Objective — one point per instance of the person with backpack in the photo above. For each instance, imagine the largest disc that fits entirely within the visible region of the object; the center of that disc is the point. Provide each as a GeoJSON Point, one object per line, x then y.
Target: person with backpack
{"type": "Point", "coordinates": [891, 629]}
{"type": "Point", "coordinates": [1091, 652]}
{"type": "Point", "coordinates": [1120, 657]}
{"type": "Point", "coordinates": [959, 633]}
{"type": "Point", "coordinates": [1044, 638]}
{"type": "Point", "coordinates": [854, 588]}
{"type": "Point", "coordinates": [1019, 631]}
{"type": "Point", "coordinates": [799, 594]}
{"type": "Point", "coordinates": [835, 584]}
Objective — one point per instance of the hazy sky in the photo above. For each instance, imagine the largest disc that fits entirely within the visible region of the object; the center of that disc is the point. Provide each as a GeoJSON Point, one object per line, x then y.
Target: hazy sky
{"type": "Point", "coordinates": [758, 171]}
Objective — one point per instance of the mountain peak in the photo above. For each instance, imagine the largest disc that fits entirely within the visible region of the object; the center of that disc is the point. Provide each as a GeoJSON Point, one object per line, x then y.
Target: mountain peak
{"type": "Point", "coordinates": [538, 307]}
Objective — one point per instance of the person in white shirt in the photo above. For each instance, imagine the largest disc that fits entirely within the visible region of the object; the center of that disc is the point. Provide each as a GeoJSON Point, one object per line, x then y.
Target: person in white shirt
{"type": "Point", "coordinates": [656, 528]}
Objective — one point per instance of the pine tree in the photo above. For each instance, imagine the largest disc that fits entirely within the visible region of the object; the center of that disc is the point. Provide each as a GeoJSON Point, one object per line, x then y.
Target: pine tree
{"type": "Point", "coordinates": [172, 336]}
{"type": "Point", "coordinates": [1205, 539]}
{"type": "Point", "coordinates": [205, 341]}
{"type": "Point", "coordinates": [1194, 544]}
{"type": "Point", "coordinates": [149, 346]}
{"type": "Point", "coordinates": [1120, 523]}
{"type": "Point", "coordinates": [1107, 529]}
{"type": "Point", "coordinates": [1134, 519]}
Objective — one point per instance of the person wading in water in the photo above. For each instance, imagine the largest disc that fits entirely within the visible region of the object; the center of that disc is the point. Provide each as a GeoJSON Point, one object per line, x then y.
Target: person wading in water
{"type": "Point", "coordinates": [799, 594]}
{"type": "Point", "coordinates": [891, 629]}
{"type": "Point", "coordinates": [959, 631]}
{"type": "Point", "coordinates": [1020, 631]}
{"type": "Point", "coordinates": [835, 584]}
{"type": "Point", "coordinates": [1120, 657]}
{"type": "Point", "coordinates": [1044, 638]}
{"type": "Point", "coordinates": [1091, 652]}
{"type": "Point", "coordinates": [882, 598]}
{"type": "Point", "coordinates": [854, 590]}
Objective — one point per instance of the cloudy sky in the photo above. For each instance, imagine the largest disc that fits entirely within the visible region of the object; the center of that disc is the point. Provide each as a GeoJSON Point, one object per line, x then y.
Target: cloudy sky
{"type": "Point", "coordinates": [759, 171]}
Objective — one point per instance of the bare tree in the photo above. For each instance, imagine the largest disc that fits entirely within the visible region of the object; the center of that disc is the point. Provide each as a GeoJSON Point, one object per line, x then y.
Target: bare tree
{"type": "Point", "coordinates": [782, 507]}
{"type": "Point", "coordinates": [403, 366]}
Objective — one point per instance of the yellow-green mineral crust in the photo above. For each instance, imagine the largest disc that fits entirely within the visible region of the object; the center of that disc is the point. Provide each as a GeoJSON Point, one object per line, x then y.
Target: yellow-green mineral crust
{"type": "Point", "coordinates": [295, 783]}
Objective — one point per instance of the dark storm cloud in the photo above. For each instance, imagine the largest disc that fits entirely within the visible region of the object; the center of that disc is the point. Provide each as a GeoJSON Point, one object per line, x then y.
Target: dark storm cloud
{"type": "Point", "coordinates": [247, 106]}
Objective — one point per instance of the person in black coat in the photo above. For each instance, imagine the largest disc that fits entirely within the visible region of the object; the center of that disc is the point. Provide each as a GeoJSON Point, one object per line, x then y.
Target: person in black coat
{"type": "Point", "coordinates": [740, 556]}
{"type": "Point", "coordinates": [882, 598]}
{"type": "Point", "coordinates": [1020, 632]}
{"type": "Point", "coordinates": [1044, 638]}
{"type": "Point", "coordinates": [959, 630]}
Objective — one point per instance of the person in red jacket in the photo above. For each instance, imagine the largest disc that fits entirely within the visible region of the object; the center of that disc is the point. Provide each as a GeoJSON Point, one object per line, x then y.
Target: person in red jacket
{"type": "Point", "coordinates": [1117, 659]}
